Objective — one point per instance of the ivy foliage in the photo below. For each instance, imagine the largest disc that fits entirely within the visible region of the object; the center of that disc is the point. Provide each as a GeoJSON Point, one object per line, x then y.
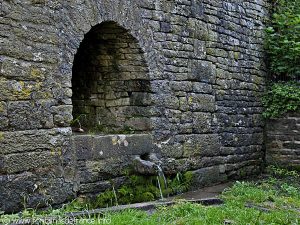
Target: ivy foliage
{"type": "Point", "coordinates": [283, 39]}
{"type": "Point", "coordinates": [281, 98]}
{"type": "Point", "coordinates": [283, 49]}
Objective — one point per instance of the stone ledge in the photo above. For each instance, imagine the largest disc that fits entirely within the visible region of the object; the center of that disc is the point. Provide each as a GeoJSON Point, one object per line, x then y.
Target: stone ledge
{"type": "Point", "coordinates": [101, 147]}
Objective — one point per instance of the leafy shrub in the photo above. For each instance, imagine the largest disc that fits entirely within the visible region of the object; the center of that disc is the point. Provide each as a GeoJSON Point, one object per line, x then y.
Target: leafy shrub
{"type": "Point", "coordinates": [282, 172]}
{"type": "Point", "coordinates": [283, 40]}
{"type": "Point", "coordinates": [283, 49]}
{"type": "Point", "coordinates": [281, 98]}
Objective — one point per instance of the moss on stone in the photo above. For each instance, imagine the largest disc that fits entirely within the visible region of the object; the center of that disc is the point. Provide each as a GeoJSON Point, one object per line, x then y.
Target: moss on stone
{"type": "Point", "coordinates": [36, 73]}
{"type": "Point", "coordinates": [1, 136]}
{"type": "Point", "coordinates": [142, 189]}
{"type": "Point", "coordinates": [210, 51]}
{"type": "Point", "coordinates": [26, 92]}
{"type": "Point", "coordinates": [236, 55]}
{"type": "Point", "coordinates": [1, 107]}
{"type": "Point", "coordinates": [190, 99]}
{"type": "Point", "coordinates": [188, 177]}
{"type": "Point", "coordinates": [23, 92]}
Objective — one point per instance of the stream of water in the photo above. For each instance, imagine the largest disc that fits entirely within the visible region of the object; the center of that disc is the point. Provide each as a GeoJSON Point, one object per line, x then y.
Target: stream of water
{"type": "Point", "coordinates": [161, 177]}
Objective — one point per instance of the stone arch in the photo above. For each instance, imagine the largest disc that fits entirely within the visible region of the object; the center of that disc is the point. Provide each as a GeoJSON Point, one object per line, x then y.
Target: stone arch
{"type": "Point", "coordinates": [110, 82]}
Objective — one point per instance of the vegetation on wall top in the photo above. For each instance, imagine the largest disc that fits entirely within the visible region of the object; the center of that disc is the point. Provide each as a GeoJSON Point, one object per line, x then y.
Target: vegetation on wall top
{"type": "Point", "coordinates": [281, 98]}
{"type": "Point", "coordinates": [283, 49]}
{"type": "Point", "coordinates": [283, 39]}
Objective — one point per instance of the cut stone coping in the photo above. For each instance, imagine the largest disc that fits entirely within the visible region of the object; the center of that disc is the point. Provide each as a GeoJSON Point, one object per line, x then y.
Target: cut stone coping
{"type": "Point", "coordinates": [146, 206]}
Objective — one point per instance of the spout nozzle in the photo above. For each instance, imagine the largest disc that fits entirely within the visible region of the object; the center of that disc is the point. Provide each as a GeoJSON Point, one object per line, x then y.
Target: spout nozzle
{"type": "Point", "coordinates": [148, 164]}
{"type": "Point", "coordinates": [143, 166]}
{"type": "Point", "coordinates": [153, 158]}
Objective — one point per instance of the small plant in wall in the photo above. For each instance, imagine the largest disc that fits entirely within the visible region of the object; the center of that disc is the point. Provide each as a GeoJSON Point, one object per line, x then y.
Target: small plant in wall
{"type": "Point", "coordinates": [76, 124]}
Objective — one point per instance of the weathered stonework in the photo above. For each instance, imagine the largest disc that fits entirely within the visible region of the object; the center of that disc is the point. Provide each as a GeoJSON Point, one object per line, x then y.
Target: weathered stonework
{"type": "Point", "coordinates": [202, 73]}
{"type": "Point", "coordinates": [283, 141]}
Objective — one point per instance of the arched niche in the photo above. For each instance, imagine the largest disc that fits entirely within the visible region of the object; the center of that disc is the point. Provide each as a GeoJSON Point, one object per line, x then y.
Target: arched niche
{"type": "Point", "coordinates": [110, 83]}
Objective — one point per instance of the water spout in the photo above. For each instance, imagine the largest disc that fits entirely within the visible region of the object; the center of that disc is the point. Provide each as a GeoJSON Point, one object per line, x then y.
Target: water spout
{"type": "Point", "coordinates": [143, 166]}
{"type": "Point", "coordinates": [151, 166]}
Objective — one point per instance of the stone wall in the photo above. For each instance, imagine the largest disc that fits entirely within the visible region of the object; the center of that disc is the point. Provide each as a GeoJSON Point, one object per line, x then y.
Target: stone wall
{"type": "Point", "coordinates": [283, 141]}
{"type": "Point", "coordinates": [202, 68]}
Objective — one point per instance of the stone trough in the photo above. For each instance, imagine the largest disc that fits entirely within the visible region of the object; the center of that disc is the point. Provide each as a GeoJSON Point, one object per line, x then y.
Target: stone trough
{"type": "Point", "coordinates": [111, 156]}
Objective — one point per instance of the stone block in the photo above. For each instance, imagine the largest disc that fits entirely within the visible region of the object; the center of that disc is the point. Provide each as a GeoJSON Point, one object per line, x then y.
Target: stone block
{"type": "Point", "coordinates": [199, 29]}
{"type": "Point", "coordinates": [202, 88]}
{"type": "Point", "coordinates": [26, 115]}
{"type": "Point", "coordinates": [118, 102]}
{"type": "Point", "coordinates": [3, 108]}
{"type": "Point", "coordinates": [202, 122]}
{"type": "Point", "coordinates": [4, 123]}
{"type": "Point", "coordinates": [171, 150]}
{"type": "Point", "coordinates": [35, 189]}
{"type": "Point", "coordinates": [208, 176]}
{"type": "Point", "coordinates": [96, 170]}
{"type": "Point", "coordinates": [185, 86]}
{"type": "Point", "coordinates": [201, 102]}
{"type": "Point", "coordinates": [201, 145]}
{"type": "Point", "coordinates": [101, 186]}
{"type": "Point", "coordinates": [32, 140]}
{"type": "Point", "coordinates": [138, 124]}
{"type": "Point", "coordinates": [203, 71]}
{"type": "Point", "coordinates": [140, 99]}
{"type": "Point", "coordinates": [240, 139]}
{"type": "Point", "coordinates": [21, 162]}
{"type": "Point", "coordinates": [83, 145]}
{"type": "Point", "coordinates": [283, 125]}
{"type": "Point", "coordinates": [21, 70]}
{"type": "Point", "coordinates": [199, 49]}
{"type": "Point", "coordinates": [165, 27]}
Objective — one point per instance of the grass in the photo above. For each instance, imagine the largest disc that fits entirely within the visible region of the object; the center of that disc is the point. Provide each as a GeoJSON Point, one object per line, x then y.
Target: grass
{"type": "Point", "coordinates": [272, 200]}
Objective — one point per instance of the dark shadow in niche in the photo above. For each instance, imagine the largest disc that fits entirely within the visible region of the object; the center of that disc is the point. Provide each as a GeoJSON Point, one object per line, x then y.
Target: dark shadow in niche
{"type": "Point", "coordinates": [110, 82]}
